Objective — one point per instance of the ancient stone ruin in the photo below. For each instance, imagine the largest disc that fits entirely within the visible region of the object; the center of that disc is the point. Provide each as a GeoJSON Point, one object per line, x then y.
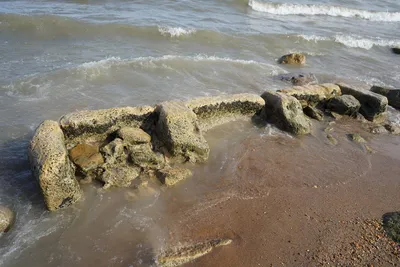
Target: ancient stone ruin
{"type": "Point", "coordinates": [115, 146]}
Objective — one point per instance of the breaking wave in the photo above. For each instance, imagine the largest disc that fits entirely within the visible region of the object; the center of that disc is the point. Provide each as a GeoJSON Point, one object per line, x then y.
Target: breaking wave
{"type": "Point", "coordinates": [334, 11]}
{"type": "Point", "coordinates": [353, 41]}
{"type": "Point", "coordinates": [175, 31]}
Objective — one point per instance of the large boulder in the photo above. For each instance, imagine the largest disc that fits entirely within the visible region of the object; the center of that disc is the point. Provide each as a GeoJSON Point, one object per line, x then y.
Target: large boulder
{"type": "Point", "coordinates": [313, 94]}
{"type": "Point", "coordinates": [286, 112]}
{"type": "Point", "coordinates": [134, 135]}
{"type": "Point", "coordinates": [344, 104]}
{"type": "Point", "coordinates": [6, 218]}
{"type": "Point", "coordinates": [90, 126]}
{"type": "Point", "coordinates": [178, 129]}
{"type": "Point", "coordinates": [52, 167]}
{"type": "Point", "coordinates": [294, 58]}
{"type": "Point", "coordinates": [393, 95]}
{"type": "Point", "coordinates": [373, 105]}
{"type": "Point", "coordinates": [216, 110]}
{"type": "Point", "coordinates": [298, 79]}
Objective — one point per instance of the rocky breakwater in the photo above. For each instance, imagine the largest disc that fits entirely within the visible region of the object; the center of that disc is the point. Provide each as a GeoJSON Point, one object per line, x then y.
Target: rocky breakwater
{"type": "Point", "coordinates": [115, 146]}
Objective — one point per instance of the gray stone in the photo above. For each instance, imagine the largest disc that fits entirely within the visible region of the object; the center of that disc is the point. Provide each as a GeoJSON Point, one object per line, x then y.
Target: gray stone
{"type": "Point", "coordinates": [216, 110]}
{"type": "Point", "coordinates": [298, 79]}
{"type": "Point", "coordinates": [294, 58]}
{"type": "Point", "coordinates": [373, 105]}
{"type": "Point", "coordinates": [286, 112]}
{"type": "Point", "coordinates": [52, 166]}
{"type": "Point", "coordinates": [90, 126]}
{"type": "Point", "coordinates": [393, 95]}
{"type": "Point", "coordinates": [134, 135]}
{"type": "Point", "coordinates": [178, 129]}
{"type": "Point", "coordinates": [143, 156]}
{"type": "Point", "coordinates": [313, 94]}
{"type": "Point", "coordinates": [172, 176]}
{"type": "Point", "coordinates": [344, 104]}
{"type": "Point", "coordinates": [314, 113]}
{"type": "Point", "coordinates": [6, 219]}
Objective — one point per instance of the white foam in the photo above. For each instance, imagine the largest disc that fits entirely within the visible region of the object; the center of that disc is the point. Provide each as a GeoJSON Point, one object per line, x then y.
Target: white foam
{"type": "Point", "coordinates": [175, 31]}
{"type": "Point", "coordinates": [327, 10]}
{"type": "Point", "coordinates": [353, 41]}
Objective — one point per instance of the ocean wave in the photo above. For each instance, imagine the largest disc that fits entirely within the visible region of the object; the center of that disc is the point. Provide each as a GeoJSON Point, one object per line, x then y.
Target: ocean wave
{"type": "Point", "coordinates": [312, 9]}
{"type": "Point", "coordinates": [175, 31]}
{"type": "Point", "coordinates": [353, 41]}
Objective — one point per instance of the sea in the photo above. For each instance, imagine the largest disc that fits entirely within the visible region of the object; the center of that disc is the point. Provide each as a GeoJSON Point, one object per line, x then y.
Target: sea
{"type": "Point", "coordinates": [60, 56]}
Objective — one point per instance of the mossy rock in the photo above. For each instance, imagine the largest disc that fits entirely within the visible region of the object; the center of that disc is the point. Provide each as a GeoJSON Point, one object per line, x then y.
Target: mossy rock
{"type": "Point", "coordinates": [391, 224]}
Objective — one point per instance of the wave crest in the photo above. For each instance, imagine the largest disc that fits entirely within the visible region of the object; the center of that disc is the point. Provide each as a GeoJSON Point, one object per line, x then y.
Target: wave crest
{"type": "Point", "coordinates": [312, 9]}
{"type": "Point", "coordinates": [175, 31]}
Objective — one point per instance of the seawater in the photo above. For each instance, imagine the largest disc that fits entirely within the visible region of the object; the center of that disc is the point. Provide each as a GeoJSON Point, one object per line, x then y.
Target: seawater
{"type": "Point", "coordinates": [66, 55]}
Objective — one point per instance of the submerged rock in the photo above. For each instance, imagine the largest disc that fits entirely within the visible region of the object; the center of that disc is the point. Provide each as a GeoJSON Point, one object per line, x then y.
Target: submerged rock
{"type": "Point", "coordinates": [286, 112]}
{"type": "Point", "coordinates": [119, 175]}
{"type": "Point", "coordinates": [216, 110]}
{"type": "Point", "coordinates": [393, 128]}
{"type": "Point", "coordinates": [344, 104]}
{"type": "Point", "coordinates": [311, 95]}
{"type": "Point", "coordinates": [393, 95]}
{"type": "Point", "coordinates": [396, 50]}
{"type": "Point", "coordinates": [314, 113]}
{"type": "Point", "coordinates": [86, 157]}
{"type": "Point", "coordinates": [294, 58]}
{"type": "Point", "coordinates": [6, 218]}
{"type": "Point", "coordinates": [52, 167]}
{"type": "Point", "coordinates": [171, 176]}
{"type": "Point", "coordinates": [143, 156]}
{"type": "Point", "coordinates": [357, 138]}
{"type": "Point", "coordinates": [180, 255]}
{"type": "Point", "coordinates": [298, 78]}
{"type": "Point", "coordinates": [332, 139]}
{"type": "Point", "coordinates": [95, 125]}
{"type": "Point", "coordinates": [373, 105]}
{"type": "Point", "coordinates": [178, 128]}
{"type": "Point", "coordinates": [134, 135]}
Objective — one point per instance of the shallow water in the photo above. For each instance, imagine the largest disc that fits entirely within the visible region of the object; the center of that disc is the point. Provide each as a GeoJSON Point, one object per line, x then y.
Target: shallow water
{"type": "Point", "coordinates": [60, 56]}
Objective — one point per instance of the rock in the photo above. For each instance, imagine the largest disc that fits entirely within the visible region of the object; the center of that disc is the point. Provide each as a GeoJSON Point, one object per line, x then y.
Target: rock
{"type": "Point", "coordinates": [344, 104]}
{"type": "Point", "coordinates": [396, 50]}
{"type": "Point", "coordinates": [314, 113]}
{"type": "Point", "coordinates": [143, 156]}
{"type": "Point", "coordinates": [52, 166]}
{"type": "Point", "coordinates": [373, 106]}
{"type": "Point", "coordinates": [335, 115]}
{"type": "Point", "coordinates": [294, 58]}
{"type": "Point", "coordinates": [171, 176]}
{"type": "Point", "coordinates": [391, 224]}
{"type": "Point", "coordinates": [332, 139]}
{"type": "Point", "coordinates": [357, 138]}
{"type": "Point", "coordinates": [95, 125]}
{"type": "Point", "coordinates": [298, 78]}
{"type": "Point", "coordinates": [117, 171]}
{"type": "Point", "coordinates": [311, 95]}
{"type": "Point", "coordinates": [286, 112]}
{"type": "Point", "coordinates": [216, 110]}
{"type": "Point", "coordinates": [393, 128]}
{"type": "Point", "coordinates": [6, 219]}
{"type": "Point", "coordinates": [377, 129]}
{"type": "Point", "coordinates": [134, 135]}
{"type": "Point", "coordinates": [120, 175]}
{"type": "Point", "coordinates": [393, 95]}
{"type": "Point", "coordinates": [177, 127]}
{"type": "Point", "coordinates": [86, 157]}
{"type": "Point", "coordinates": [183, 254]}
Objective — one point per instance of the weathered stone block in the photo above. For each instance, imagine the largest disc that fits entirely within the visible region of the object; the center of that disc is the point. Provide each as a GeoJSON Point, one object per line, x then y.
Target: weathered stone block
{"type": "Point", "coordinates": [393, 95]}
{"type": "Point", "coordinates": [311, 95]}
{"type": "Point", "coordinates": [172, 176]}
{"type": "Point", "coordinates": [134, 135]}
{"type": "Point", "coordinates": [373, 105]}
{"type": "Point", "coordinates": [294, 58]}
{"type": "Point", "coordinates": [286, 112]}
{"type": "Point", "coordinates": [177, 127]}
{"type": "Point", "coordinates": [52, 167]}
{"type": "Point", "coordinates": [217, 110]}
{"type": "Point", "coordinates": [95, 125]}
{"type": "Point", "coordinates": [344, 104]}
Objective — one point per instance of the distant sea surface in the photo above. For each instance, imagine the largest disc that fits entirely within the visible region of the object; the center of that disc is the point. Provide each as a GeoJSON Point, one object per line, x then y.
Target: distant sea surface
{"type": "Point", "coordinates": [59, 56]}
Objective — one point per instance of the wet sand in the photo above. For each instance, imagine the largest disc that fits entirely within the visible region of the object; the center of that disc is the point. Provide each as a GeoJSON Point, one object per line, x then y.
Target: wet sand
{"type": "Point", "coordinates": [303, 202]}
{"type": "Point", "coordinates": [285, 201]}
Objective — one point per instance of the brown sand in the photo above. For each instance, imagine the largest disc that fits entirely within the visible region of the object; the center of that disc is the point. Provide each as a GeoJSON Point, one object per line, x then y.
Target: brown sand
{"type": "Point", "coordinates": [301, 202]}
